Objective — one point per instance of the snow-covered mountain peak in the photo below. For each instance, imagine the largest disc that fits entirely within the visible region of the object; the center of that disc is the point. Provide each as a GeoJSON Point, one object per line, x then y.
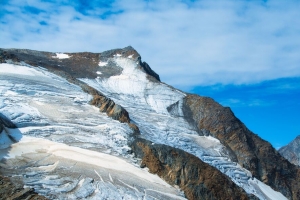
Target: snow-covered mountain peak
{"type": "Point", "coordinates": [189, 141]}
{"type": "Point", "coordinates": [130, 68]}
{"type": "Point", "coordinates": [127, 59]}
{"type": "Point", "coordinates": [136, 82]}
{"type": "Point", "coordinates": [292, 151]}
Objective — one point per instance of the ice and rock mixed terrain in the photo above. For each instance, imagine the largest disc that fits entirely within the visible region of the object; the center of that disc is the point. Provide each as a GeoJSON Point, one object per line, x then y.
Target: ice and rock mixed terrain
{"type": "Point", "coordinates": [147, 103]}
{"type": "Point", "coordinates": [65, 148]}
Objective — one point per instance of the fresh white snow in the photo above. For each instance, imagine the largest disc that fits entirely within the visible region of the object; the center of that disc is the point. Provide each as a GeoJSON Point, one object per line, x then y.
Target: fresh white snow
{"type": "Point", "coordinates": [133, 84]}
{"type": "Point", "coordinates": [61, 56]}
{"type": "Point", "coordinates": [102, 64]}
{"type": "Point", "coordinates": [267, 190]}
{"type": "Point", "coordinates": [6, 69]}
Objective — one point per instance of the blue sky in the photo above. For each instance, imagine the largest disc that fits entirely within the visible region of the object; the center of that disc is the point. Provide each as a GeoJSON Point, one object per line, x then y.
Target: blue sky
{"type": "Point", "coordinates": [269, 108]}
{"type": "Point", "coordinates": [243, 53]}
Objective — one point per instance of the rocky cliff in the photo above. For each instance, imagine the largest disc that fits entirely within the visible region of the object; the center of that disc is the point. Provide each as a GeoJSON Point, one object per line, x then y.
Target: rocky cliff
{"type": "Point", "coordinates": [292, 151]}
{"type": "Point", "coordinates": [250, 151]}
{"type": "Point", "coordinates": [197, 179]}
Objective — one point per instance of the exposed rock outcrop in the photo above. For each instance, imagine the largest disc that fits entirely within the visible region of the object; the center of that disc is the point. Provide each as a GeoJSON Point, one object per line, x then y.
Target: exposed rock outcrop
{"type": "Point", "coordinates": [5, 122]}
{"type": "Point", "coordinates": [252, 152]}
{"type": "Point", "coordinates": [14, 191]}
{"type": "Point", "coordinates": [292, 151]}
{"type": "Point", "coordinates": [113, 110]}
{"type": "Point", "coordinates": [197, 179]}
{"type": "Point", "coordinates": [149, 71]}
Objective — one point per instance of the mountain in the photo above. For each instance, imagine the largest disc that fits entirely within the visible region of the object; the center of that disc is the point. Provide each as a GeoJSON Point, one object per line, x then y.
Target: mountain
{"type": "Point", "coordinates": [149, 140]}
{"type": "Point", "coordinates": [292, 151]}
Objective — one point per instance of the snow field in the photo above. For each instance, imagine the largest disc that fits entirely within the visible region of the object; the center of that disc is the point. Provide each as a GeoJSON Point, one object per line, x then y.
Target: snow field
{"type": "Point", "coordinates": [109, 179]}
{"type": "Point", "coordinates": [61, 56]}
{"type": "Point", "coordinates": [29, 144]}
{"type": "Point", "coordinates": [102, 64]}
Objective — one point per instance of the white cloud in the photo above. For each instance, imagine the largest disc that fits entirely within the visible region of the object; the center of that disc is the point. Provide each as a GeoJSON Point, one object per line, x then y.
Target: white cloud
{"type": "Point", "coordinates": [247, 102]}
{"type": "Point", "coordinates": [187, 44]}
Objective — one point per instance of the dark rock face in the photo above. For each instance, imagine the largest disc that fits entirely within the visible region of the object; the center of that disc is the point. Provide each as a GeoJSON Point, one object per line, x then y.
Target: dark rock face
{"type": "Point", "coordinates": [77, 65]}
{"type": "Point", "coordinates": [197, 179]}
{"type": "Point", "coordinates": [149, 71]}
{"type": "Point", "coordinates": [253, 153]}
{"type": "Point", "coordinates": [104, 104]}
{"type": "Point", "coordinates": [113, 110]}
{"type": "Point", "coordinates": [13, 190]}
{"type": "Point", "coordinates": [292, 151]}
{"type": "Point", "coordinates": [5, 122]}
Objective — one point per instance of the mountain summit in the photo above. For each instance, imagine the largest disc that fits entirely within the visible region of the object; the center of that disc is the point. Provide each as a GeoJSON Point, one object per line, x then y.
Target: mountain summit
{"type": "Point", "coordinates": [292, 151]}
{"type": "Point", "coordinates": [149, 140]}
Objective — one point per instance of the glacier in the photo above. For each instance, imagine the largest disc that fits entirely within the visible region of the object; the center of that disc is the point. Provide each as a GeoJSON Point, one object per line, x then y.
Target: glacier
{"type": "Point", "coordinates": [59, 130]}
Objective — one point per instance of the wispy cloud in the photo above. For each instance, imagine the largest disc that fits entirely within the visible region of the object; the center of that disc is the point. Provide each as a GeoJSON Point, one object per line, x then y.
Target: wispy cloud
{"type": "Point", "coordinates": [188, 43]}
{"type": "Point", "coordinates": [247, 103]}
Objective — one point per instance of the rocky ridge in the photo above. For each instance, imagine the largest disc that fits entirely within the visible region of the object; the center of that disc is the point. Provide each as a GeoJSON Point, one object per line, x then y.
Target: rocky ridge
{"type": "Point", "coordinates": [292, 151]}
{"type": "Point", "coordinates": [247, 148]}
{"type": "Point", "coordinates": [197, 179]}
